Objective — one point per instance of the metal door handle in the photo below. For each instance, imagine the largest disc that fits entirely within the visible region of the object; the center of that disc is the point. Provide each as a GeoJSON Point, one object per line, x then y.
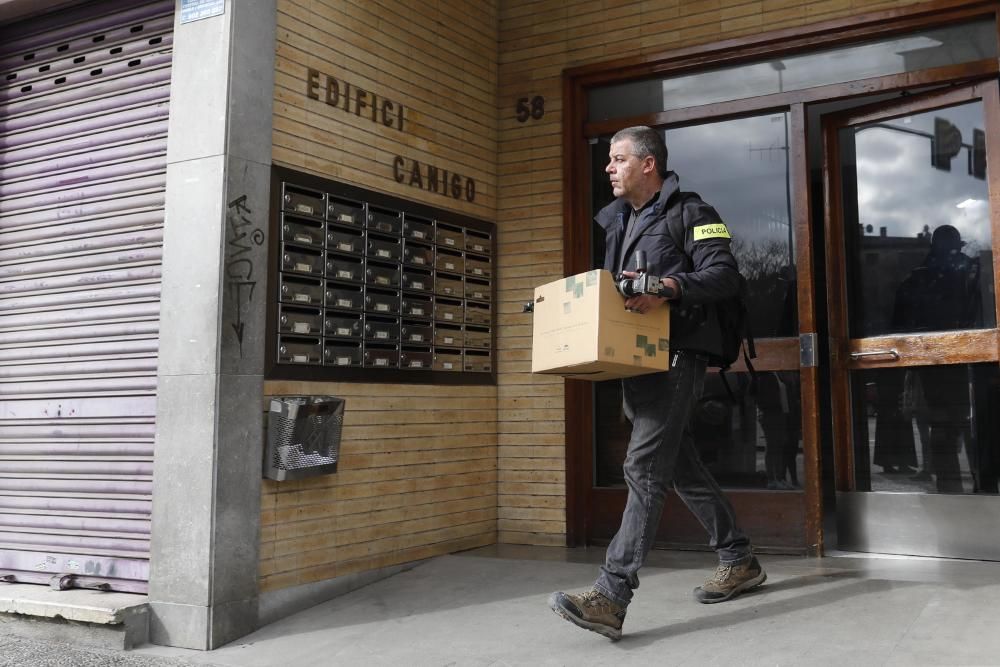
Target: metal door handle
{"type": "Point", "coordinates": [876, 353]}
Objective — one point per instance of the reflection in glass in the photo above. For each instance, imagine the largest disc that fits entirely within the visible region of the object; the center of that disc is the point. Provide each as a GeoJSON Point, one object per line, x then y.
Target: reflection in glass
{"type": "Point", "coordinates": [933, 429]}
{"type": "Point", "coordinates": [906, 53]}
{"type": "Point", "coordinates": [741, 168]}
{"type": "Point", "coordinates": [921, 256]}
{"type": "Point", "coordinates": [747, 439]}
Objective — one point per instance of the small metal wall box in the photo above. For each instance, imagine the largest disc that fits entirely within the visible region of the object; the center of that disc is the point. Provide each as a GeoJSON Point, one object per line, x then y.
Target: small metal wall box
{"type": "Point", "coordinates": [303, 436]}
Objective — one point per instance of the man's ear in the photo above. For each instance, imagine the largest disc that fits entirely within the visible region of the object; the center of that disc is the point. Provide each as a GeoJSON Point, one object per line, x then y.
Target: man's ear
{"type": "Point", "coordinates": [648, 164]}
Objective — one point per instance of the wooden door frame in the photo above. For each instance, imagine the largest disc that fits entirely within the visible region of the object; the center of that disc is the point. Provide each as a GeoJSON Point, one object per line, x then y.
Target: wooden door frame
{"type": "Point", "coordinates": [780, 43]}
{"type": "Point", "coordinates": [967, 346]}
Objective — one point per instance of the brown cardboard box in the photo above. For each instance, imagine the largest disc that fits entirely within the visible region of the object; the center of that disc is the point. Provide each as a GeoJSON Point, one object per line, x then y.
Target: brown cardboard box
{"type": "Point", "coordinates": [582, 331]}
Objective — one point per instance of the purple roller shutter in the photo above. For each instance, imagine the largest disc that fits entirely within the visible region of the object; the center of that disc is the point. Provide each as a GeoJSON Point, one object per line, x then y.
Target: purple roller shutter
{"type": "Point", "coordinates": [84, 94]}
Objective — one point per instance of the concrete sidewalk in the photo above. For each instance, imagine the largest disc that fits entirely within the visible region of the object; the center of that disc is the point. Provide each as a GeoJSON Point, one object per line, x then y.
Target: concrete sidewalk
{"type": "Point", "coordinates": [489, 607]}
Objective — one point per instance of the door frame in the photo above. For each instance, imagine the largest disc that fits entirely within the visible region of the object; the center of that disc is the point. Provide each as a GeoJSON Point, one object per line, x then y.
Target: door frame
{"type": "Point", "coordinates": [943, 525]}
{"type": "Point", "coordinates": [583, 506]}
{"type": "Point", "coordinates": [972, 346]}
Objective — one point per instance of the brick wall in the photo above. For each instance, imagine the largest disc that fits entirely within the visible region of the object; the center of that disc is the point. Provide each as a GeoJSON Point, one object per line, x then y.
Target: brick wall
{"type": "Point", "coordinates": [417, 475]}
{"type": "Point", "coordinates": [538, 40]}
{"type": "Point", "coordinates": [408, 488]}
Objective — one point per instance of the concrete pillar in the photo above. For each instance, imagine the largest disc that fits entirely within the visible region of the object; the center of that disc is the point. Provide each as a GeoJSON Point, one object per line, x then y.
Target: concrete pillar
{"type": "Point", "coordinates": [203, 587]}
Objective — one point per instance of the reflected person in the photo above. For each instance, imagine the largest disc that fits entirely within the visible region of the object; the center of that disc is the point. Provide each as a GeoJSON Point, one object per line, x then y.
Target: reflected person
{"type": "Point", "coordinates": [943, 294]}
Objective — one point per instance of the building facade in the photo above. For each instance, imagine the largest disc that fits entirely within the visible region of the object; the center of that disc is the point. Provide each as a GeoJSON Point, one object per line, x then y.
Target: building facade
{"type": "Point", "coordinates": [170, 168]}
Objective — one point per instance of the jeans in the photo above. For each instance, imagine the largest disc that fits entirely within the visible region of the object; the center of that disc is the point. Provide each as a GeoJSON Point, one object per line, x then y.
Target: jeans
{"type": "Point", "coordinates": [661, 451]}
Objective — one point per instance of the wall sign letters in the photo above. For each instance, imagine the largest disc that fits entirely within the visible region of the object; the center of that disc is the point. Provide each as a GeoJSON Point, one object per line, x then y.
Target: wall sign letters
{"type": "Point", "coordinates": [363, 103]}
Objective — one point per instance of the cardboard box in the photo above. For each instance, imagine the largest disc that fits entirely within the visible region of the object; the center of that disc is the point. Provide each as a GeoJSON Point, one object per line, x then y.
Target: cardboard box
{"type": "Point", "coordinates": [582, 331]}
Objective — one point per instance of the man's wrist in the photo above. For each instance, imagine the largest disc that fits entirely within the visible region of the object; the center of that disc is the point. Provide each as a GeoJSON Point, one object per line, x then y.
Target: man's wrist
{"type": "Point", "coordinates": [668, 291]}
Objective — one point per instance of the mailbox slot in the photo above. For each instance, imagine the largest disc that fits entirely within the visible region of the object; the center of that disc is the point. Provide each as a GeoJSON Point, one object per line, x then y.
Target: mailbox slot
{"type": "Point", "coordinates": [338, 295]}
{"type": "Point", "coordinates": [305, 291]}
{"type": "Point", "coordinates": [302, 201]}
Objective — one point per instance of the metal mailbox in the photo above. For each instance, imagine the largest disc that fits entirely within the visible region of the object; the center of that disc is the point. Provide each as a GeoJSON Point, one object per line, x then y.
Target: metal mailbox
{"type": "Point", "coordinates": [303, 201]}
{"type": "Point", "coordinates": [344, 239]}
{"type": "Point", "coordinates": [299, 320]}
{"type": "Point", "coordinates": [477, 241]}
{"type": "Point", "coordinates": [338, 324]}
{"type": "Point", "coordinates": [339, 295]}
{"type": "Point", "coordinates": [345, 211]}
{"type": "Point", "coordinates": [381, 355]}
{"type": "Point", "coordinates": [418, 254]}
{"type": "Point", "coordinates": [369, 281]}
{"type": "Point", "coordinates": [385, 221]}
{"type": "Point", "coordinates": [417, 228]}
{"type": "Point", "coordinates": [345, 267]}
{"type": "Point", "coordinates": [416, 358]}
{"type": "Point", "coordinates": [417, 305]}
{"type": "Point", "coordinates": [416, 332]}
{"type": "Point", "coordinates": [477, 289]}
{"type": "Point", "coordinates": [381, 301]}
{"type": "Point", "coordinates": [301, 231]}
{"type": "Point", "coordinates": [303, 436]}
{"type": "Point", "coordinates": [452, 262]}
{"type": "Point", "coordinates": [478, 266]}
{"type": "Point", "coordinates": [418, 280]}
{"type": "Point", "coordinates": [300, 350]}
{"type": "Point", "coordinates": [381, 274]}
{"type": "Point", "coordinates": [449, 236]}
{"type": "Point", "coordinates": [384, 248]}
{"type": "Point", "coordinates": [478, 337]}
{"type": "Point", "coordinates": [381, 328]}
{"type": "Point", "coordinates": [447, 360]}
{"type": "Point", "coordinates": [293, 289]}
{"type": "Point", "coordinates": [305, 261]}
{"type": "Point", "coordinates": [342, 353]}
{"type": "Point", "coordinates": [477, 313]}
{"type": "Point", "coordinates": [449, 285]}
{"type": "Point", "coordinates": [448, 335]}
{"type": "Point", "coordinates": [477, 361]}
{"type": "Point", "coordinates": [448, 310]}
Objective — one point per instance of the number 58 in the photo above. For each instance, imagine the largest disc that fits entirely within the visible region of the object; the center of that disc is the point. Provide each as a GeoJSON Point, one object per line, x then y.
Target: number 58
{"type": "Point", "coordinates": [535, 108]}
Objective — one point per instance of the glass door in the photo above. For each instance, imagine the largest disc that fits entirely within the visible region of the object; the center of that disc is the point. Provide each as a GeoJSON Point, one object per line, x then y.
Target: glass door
{"type": "Point", "coordinates": [754, 442]}
{"type": "Point", "coordinates": [913, 323]}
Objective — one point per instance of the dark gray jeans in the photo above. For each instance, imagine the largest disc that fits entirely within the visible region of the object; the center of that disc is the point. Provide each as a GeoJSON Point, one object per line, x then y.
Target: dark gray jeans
{"type": "Point", "coordinates": [661, 451]}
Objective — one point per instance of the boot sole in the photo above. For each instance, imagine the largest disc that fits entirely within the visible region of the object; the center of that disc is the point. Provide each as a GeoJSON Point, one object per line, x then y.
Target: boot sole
{"type": "Point", "coordinates": [742, 588]}
{"type": "Point", "coordinates": [601, 629]}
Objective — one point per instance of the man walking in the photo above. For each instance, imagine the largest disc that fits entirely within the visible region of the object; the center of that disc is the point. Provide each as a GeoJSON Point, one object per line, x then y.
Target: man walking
{"type": "Point", "coordinates": [661, 450]}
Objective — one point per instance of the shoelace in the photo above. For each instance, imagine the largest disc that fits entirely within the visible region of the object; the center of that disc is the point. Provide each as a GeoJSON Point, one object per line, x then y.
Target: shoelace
{"type": "Point", "coordinates": [594, 599]}
{"type": "Point", "coordinates": [722, 572]}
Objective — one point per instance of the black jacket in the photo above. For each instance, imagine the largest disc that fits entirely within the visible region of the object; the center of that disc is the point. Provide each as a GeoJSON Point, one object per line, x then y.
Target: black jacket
{"type": "Point", "coordinates": [704, 268]}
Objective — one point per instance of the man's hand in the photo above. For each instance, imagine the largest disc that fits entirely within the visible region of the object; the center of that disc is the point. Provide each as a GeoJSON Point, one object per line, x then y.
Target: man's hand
{"type": "Point", "coordinates": [643, 303]}
{"type": "Point", "coordinates": [646, 302]}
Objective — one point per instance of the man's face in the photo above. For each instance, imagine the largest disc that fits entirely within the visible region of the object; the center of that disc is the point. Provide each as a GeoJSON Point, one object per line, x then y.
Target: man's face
{"type": "Point", "coordinates": [625, 170]}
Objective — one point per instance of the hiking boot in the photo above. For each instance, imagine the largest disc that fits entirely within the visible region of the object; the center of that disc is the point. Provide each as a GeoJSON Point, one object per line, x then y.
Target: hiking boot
{"type": "Point", "coordinates": [730, 580]}
{"type": "Point", "coordinates": [590, 610]}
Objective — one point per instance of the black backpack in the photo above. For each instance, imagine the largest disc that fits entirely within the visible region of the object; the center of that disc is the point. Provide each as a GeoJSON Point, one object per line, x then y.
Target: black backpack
{"type": "Point", "coordinates": [732, 314]}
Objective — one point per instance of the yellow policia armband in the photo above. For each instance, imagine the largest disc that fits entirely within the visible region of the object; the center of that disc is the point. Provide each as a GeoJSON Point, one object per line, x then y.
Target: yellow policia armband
{"type": "Point", "coordinates": [716, 231]}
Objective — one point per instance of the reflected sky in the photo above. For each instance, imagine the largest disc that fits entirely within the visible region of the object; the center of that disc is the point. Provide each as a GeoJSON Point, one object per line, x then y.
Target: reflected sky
{"type": "Point", "coordinates": [929, 48]}
{"type": "Point", "coordinates": [900, 190]}
{"type": "Point", "coordinates": [740, 168]}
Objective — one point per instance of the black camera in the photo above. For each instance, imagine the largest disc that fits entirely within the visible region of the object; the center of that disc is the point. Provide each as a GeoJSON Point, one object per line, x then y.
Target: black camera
{"type": "Point", "coordinates": [643, 283]}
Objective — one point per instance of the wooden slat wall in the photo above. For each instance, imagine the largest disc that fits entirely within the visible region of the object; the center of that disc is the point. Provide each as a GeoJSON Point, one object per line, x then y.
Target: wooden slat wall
{"type": "Point", "coordinates": [418, 470]}
{"type": "Point", "coordinates": [538, 40]}
{"type": "Point", "coordinates": [405, 491]}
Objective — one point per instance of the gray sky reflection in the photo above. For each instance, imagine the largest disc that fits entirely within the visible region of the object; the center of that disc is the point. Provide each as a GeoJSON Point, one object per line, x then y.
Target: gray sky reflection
{"type": "Point", "coordinates": [738, 167]}
{"type": "Point", "coordinates": [900, 190]}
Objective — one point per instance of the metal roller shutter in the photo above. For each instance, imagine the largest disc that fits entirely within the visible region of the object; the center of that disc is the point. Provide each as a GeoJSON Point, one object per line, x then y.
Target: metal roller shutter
{"type": "Point", "coordinates": [83, 133]}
